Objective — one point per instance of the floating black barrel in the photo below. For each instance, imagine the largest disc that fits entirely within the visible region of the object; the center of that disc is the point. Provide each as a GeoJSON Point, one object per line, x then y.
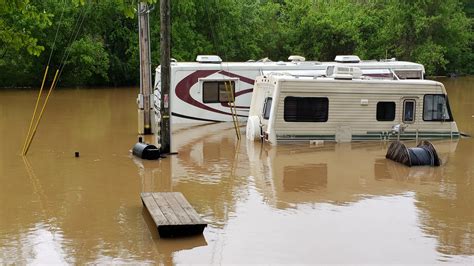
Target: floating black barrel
{"type": "Point", "coordinates": [146, 151]}
{"type": "Point", "coordinates": [423, 154]}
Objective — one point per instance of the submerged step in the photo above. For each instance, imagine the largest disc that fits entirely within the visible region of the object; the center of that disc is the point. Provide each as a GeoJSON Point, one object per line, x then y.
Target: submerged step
{"type": "Point", "coordinates": [172, 214]}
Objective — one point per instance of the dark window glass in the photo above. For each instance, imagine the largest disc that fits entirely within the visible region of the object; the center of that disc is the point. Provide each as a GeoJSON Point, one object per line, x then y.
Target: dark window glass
{"type": "Point", "coordinates": [306, 109]}
{"type": "Point", "coordinates": [436, 108]}
{"type": "Point", "coordinates": [224, 88]}
{"type": "Point", "coordinates": [216, 91]}
{"type": "Point", "coordinates": [210, 92]}
{"type": "Point", "coordinates": [409, 111]}
{"type": "Point", "coordinates": [385, 111]}
{"type": "Point", "coordinates": [267, 107]}
{"type": "Point", "coordinates": [409, 74]}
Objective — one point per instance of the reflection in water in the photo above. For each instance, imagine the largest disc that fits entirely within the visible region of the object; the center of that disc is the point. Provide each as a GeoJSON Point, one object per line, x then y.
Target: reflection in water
{"type": "Point", "coordinates": [208, 170]}
{"type": "Point", "coordinates": [288, 176]}
{"type": "Point", "coordinates": [447, 213]}
{"type": "Point", "coordinates": [343, 173]}
{"type": "Point", "coordinates": [155, 175]}
{"type": "Point", "coordinates": [305, 177]}
{"type": "Point", "coordinates": [293, 203]}
{"type": "Point", "coordinates": [38, 245]}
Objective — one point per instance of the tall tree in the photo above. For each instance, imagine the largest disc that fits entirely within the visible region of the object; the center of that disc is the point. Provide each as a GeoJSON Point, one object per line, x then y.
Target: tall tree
{"type": "Point", "coordinates": [18, 19]}
{"type": "Point", "coordinates": [436, 33]}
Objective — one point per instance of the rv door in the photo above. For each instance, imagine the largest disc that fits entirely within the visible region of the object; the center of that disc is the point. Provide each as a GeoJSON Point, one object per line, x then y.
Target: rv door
{"type": "Point", "coordinates": [409, 110]}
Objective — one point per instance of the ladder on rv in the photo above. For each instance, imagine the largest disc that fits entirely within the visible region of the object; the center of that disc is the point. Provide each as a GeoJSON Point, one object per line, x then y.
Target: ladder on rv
{"type": "Point", "coordinates": [233, 110]}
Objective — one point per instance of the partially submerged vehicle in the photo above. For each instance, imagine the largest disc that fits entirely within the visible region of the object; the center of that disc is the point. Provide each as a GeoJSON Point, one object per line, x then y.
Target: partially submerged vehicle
{"type": "Point", "coordinates": [202, 91]}
{"type": "Point", "coordinates": [347, 107]}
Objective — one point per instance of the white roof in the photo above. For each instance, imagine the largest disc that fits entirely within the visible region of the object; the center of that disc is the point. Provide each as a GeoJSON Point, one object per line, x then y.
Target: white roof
{"type": "Point", "coordinates": [308, 65]}
{"type": "Point", "coordinates": [271, 78]}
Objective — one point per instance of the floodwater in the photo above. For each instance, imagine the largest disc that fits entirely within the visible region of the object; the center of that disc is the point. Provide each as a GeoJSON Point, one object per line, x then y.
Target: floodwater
{"type": "Point", "coordinates": [332, 203]}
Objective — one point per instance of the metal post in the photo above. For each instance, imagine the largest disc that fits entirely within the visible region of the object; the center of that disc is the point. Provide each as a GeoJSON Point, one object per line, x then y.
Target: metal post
{"type": "Point", "coordinates": [144, 98]}
{"type": "Point", "coordinates": [165, 48]}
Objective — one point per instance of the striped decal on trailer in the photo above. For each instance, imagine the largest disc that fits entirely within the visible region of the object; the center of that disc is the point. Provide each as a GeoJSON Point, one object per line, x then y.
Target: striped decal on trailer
{"type": "Point", "coordinates": [305, 137]}
{"type": "Point", "coordinates": [373, 136]}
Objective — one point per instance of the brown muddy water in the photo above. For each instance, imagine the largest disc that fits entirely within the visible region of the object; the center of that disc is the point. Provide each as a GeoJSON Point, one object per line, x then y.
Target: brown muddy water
{"type": "Point", "coordinates": [333, 203]}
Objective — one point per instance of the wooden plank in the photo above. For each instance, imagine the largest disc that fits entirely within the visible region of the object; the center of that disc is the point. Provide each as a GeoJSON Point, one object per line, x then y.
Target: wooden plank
{"type": "Point", "coordinates": [153, 209]}
{"type": "Point", "coordinates": [166, 209]}
{"type": "Point", "coordinates": [195, 218]}
{"type": "Point", "coordinates": [178, 210]}
{"type": "Point", "coordinates": [172, 214]}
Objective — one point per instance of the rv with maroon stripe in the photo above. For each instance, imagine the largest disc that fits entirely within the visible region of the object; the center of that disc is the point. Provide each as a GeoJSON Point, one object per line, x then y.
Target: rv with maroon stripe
{"type": "Point", "coordinates": [198, 91]}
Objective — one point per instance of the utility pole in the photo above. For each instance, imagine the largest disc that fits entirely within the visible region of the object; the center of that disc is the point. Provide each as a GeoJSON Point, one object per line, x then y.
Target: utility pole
{"type": "Point", "coordinates": [165, 49]}
{"type": "Point", "coordinates": [144, 98]}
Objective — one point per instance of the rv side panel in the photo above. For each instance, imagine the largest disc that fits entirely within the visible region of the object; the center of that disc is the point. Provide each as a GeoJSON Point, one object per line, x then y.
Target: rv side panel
{"type": "Point", "coordinates": [353, 108]}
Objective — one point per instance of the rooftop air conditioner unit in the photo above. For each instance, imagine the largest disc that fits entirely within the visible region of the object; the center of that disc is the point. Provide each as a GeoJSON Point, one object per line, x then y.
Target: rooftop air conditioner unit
{"type": "Point", "coordinates": [347, 59]}
{"type": "Point", "coordinates": [296, 58]}
{"type": "Point", "coordinates": [341, 72]}
{"type": "Point", "coordinates": [208, 59]}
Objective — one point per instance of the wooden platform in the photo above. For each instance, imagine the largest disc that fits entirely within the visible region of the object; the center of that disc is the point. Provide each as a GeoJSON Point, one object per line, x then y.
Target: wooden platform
{"type": "Point", "coordinates": [172, 214]}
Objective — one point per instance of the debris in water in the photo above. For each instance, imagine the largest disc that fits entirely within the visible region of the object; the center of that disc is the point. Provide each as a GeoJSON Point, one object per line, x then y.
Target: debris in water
{"type": "Point", "coordinates": [423, 154]}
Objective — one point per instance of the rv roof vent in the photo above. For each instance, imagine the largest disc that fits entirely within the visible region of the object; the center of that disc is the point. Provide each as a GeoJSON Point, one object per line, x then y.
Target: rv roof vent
{"type": "Point", "coordinates": [264, 60]}
{"type": "Point", "coordinates": [347, 59]}
{"type": "Point", "coordinates": [296, 58]}
{"type": "Point", "coordinates": [208, 59]}
{"type": "Point", "coordinates": [341, 72]}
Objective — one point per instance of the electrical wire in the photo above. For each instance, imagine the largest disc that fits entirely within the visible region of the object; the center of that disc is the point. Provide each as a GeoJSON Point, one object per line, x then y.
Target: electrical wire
{"type": "Point", "coordinates": [57, 32]}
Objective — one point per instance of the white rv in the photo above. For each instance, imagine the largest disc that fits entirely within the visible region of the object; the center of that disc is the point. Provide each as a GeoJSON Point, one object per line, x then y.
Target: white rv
{"type": "Point", "coordinates": [348, 107]}
{"type": "Point", "coordinates": [198, 89]}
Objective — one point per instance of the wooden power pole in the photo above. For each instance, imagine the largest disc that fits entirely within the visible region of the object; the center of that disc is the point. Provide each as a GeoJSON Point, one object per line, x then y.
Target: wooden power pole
{"type": "Point", "coordinates": [165, 48]}
{"type": "Point", "coordinates": [146, 88]}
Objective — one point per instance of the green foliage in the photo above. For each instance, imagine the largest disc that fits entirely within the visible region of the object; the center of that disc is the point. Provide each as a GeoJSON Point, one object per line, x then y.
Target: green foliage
{"type": "Point", "coordinates": [88, 62]}
{"type": "Point", "coordinates": [18, 19]}
{"type": "Point", "coordinates": [432, 55]}
{"type": "Point", "coordinates": [436, 33]}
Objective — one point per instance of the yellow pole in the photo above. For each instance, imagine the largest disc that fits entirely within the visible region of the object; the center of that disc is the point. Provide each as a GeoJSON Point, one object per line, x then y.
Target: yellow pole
{"type": "Point", "coordinates": [237, 126]}
{"type": "Point", "coordinates": [228, 88]}
{"type": "Point", "coordinates": [41, 113]}
{"type": "Point", "coordinates": [36, 108]}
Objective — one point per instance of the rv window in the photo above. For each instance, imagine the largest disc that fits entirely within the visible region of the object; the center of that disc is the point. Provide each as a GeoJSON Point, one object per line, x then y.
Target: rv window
{"type": "Point", "coordinates": [216, 91]}
{"type": "Point", "coordinates": [408, 74]}
{"type": "Point", "coordinates": [330, 71]}
{"type": "Point", "coordinates": [436, 108]}
{"type": "Point", "coordinates": [306, 109]}
{"type": "Point", "coordinates": [409, 111]}
{"type": "Point", "coordinates": [385, 111]}
{"type": "Point", "coordinates": [267, 106]}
